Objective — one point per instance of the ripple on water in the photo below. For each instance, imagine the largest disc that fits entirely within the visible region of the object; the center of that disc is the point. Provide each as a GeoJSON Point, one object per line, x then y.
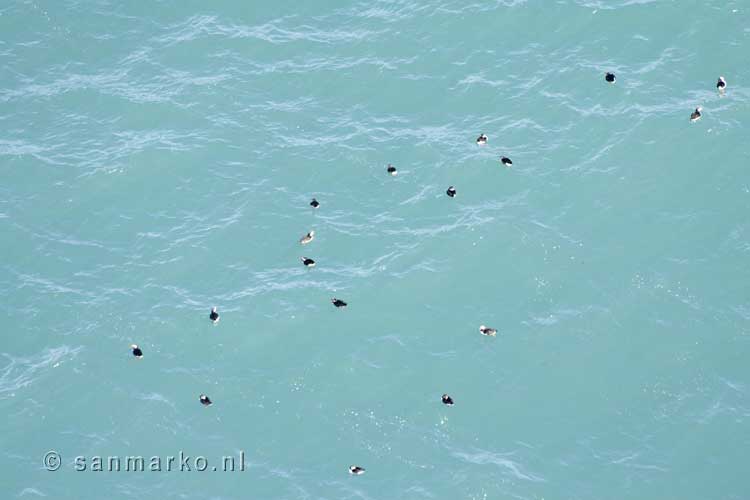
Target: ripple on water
{"type": "Point", "coordinates": [277, 31]}
{"type": "Point", "coordinates": [21, 372]}
{"type": "Point", "coordinates": [507, 466]}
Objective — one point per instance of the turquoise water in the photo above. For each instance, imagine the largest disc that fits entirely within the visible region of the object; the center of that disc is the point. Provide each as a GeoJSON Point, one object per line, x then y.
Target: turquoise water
{"type": "Point", "coordinates": [158, 158]}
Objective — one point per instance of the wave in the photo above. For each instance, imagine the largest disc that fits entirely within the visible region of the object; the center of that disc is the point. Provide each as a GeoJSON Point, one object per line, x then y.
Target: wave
{"type": "Point", "coordinates": [22, 372]}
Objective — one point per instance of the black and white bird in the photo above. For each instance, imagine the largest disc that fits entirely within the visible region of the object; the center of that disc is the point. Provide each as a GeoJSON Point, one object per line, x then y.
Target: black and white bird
{"type": "Point", "coordinates": [451, 192]}
{"type": "Point", "coordinates": [506, 161]}
{"type": "Point", "coordinates": [205, 400]}
{"type": "Point", "coordinates": [721, 84]}
{"type": "Point", "coordinates": [447, 400]}
{"type": "Point", "coordinates": [481, 140]}
{"type": "Point", "coordinates": [214, 316]}
{"type": "Point", "coordinates": [307, 238]}
{"type": "Point", "coordinates": [610, 77]}
{"type": "Point", "coordinates": [338, 302]}
{"type": "Point", "coordinates": [136, 351]}
{"type": "Point", "coordinates": [356, 470]}
{"type": "Point", "coordinates": [392, 170]}
{"type": "Point", "coordinates": [696, 115]}
{"type": "Point", "coordinates": [486, 330]}
{"type": "Point", "coordinates": [308, 262]}
{"type": "Point", "coordinates": [314, 203]}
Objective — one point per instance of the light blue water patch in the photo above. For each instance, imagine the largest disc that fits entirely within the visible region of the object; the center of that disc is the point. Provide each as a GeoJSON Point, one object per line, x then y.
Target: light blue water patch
{"type": "Point", "coordinates": [158, 159]}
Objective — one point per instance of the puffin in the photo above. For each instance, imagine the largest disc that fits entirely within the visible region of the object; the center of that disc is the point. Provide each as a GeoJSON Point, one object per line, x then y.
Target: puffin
{"type": "Point", "coordinates": [338, 302]}
{"type": "Point", "coordinates": [307, 238]}
{"type": "Point", "coordinates": [481, 140]}
{"type": "Point", "coordinates": [392, 170]}
{"type": "Point", "coordinates": [451, 192]}
{"type": "Point", "coordinates": [308, 262]}
{"type": "Point", "coordinates": [486, 330]}
{"type": "Point", "coordinates": [721, 84]}
{"type": "Point", "coordinates": [447, 400]}
{"type": "Point", "coordinates": [506, 161]}
{"type": "Point", "coordinates": [205, 400]}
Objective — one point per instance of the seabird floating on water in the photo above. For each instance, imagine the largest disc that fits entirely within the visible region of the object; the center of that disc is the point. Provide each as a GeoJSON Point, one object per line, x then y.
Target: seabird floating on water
{"type": "Point", "coordinates": [721, 84]}
{"type": "Point", "coordinates": [307, 238]}
{"type": "Point", "coordinates": [486, 330]}
{"type": "Point", "coordinates": [338, 302]}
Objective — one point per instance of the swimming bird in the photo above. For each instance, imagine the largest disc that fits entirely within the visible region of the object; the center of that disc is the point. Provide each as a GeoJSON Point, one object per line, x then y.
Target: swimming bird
{"type": "Point", "coordinates": [356, 470]}
{"type": "Point", "coordinates": [447, 400]}
{"type": "Point", "coordinates": [308, 262]}
{"type": "Point", "coordinates": [506, 161]}
{"type": "Point", "coordinates": [205, 400]}
{"type": "Point", "coordinates": [314, 203]}
{"type": "Point", "coordinates": [136, 351]}
{"type": "Point", "coordinates": [214, 316]}
{"type": "Point", "coordinates": [338, 302]}
{"type": "Point", "coordinates": [481, 140]}
{"type": "Point", "coordinates": [696, 115]}
{"type": "Point", "coordinates": [307, 238]}
{"type": "Point", "coordinates": [721, 84]}
{"type": "Point", "coordinates": [610, 77]}
{"type": "Point", "coordinates": [392, 170]}
{"type": "Point", "coordinates": [451, 192]}
{"type": "Point", "coordinates": [486, 330]}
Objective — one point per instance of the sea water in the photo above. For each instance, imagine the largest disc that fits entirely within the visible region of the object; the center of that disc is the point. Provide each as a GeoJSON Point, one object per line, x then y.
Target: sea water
{"type": "Point", "coordinates": [158, 158]}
